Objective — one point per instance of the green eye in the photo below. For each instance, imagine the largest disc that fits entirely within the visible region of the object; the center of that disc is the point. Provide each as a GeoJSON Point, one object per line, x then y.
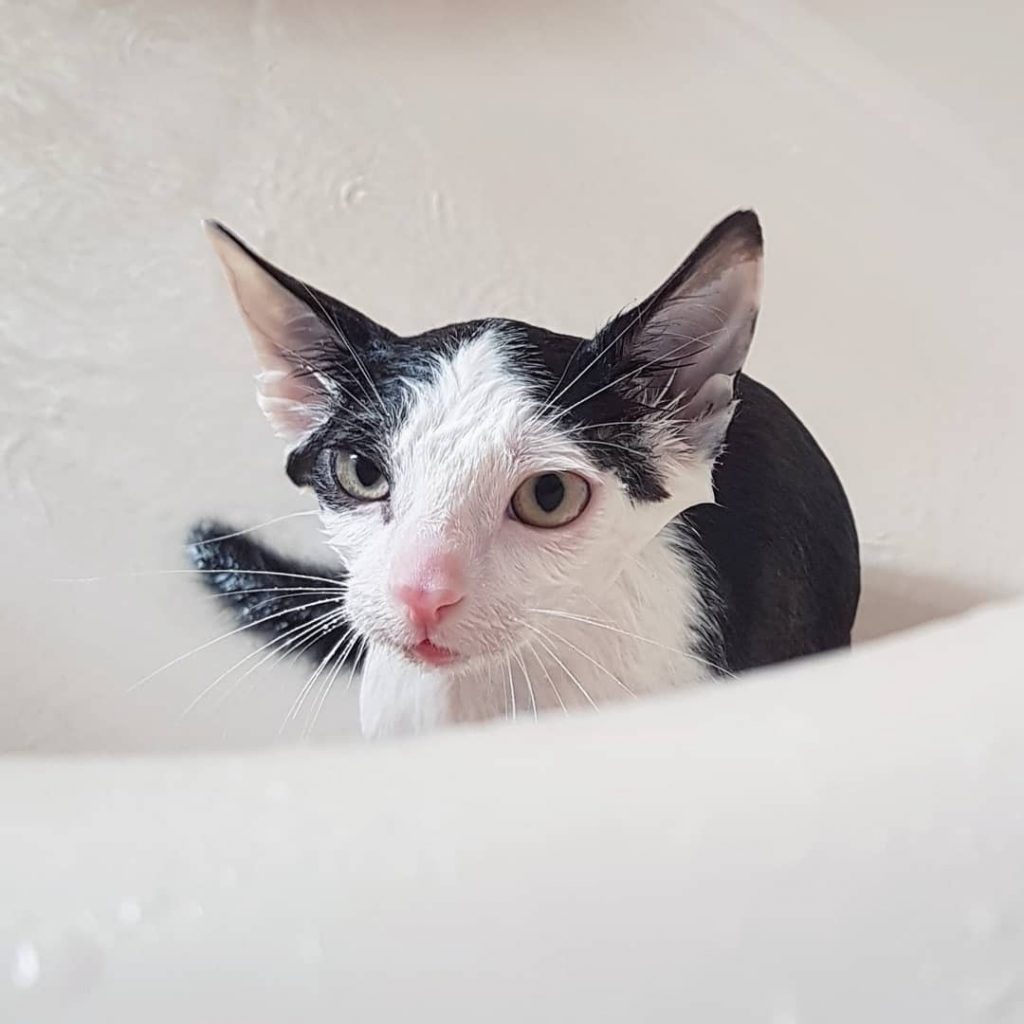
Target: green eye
{"type": "Point", "coordinates": [360, 477]}
{"type": "Point", "coordinates": [550, 500]}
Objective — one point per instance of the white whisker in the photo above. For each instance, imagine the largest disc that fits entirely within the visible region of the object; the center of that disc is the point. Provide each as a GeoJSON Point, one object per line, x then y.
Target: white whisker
{"type": "Point", "coordinates": [344, 340]}
{"type": "Point", "coordinates": [561, 664]}
{"type": "Point", "coordinates": [529, 685]}
{"type": "Point", "coordinates": [308, 635]}
{"type": "Point", "coordinates": [611, 675]}
{"type": "Point", "coordinates": [511, 687]}
{"type": "Point", "coordinates": [625, 632]}
{"type": "Point", "coordinates": [304, 692]}
{"type": "Point", "coordinates": [250, 529]}
{"type": "Point", "coordinates": [282, 639]}
{"type": "Point", "coordinates": [192, 572]}
{"type": "Point", "coordinates": [224, 636]}
{"type": "Point", "coordinates": [329, 681]}
{"type": "Point", "coordinates": [551, 682]}
{"type": "Point", "coordinates": [306, 591]}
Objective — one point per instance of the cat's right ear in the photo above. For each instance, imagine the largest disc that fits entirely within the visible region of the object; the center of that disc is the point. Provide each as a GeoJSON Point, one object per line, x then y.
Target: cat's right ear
{"type": "Point", "coordinates": [299, 334]}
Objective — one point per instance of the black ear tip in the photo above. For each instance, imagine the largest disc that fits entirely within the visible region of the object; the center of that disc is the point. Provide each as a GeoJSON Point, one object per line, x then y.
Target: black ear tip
{"type": "Point", "coordinates": [218, 233]}
{"type": "Point", "coordinates": [743, 224]}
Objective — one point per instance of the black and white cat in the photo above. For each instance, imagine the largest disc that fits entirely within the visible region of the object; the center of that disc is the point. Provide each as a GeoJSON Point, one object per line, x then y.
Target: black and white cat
{"type": "Point", "coordinates": [528, 521]}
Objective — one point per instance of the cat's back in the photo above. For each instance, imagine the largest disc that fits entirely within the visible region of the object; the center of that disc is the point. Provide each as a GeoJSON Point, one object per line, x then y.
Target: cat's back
{"type": "Point", "coordinates": [780, 543]}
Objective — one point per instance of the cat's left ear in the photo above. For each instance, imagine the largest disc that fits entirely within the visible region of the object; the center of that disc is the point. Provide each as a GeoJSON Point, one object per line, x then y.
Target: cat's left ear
{"type": "Point", "coordinates": [304, 340]}
{"type": "Point", "coordinates": [689, 339]}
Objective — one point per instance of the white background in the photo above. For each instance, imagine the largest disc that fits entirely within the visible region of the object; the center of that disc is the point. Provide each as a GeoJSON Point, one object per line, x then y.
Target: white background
{"type": "Point", "coordinates": [430, 161]}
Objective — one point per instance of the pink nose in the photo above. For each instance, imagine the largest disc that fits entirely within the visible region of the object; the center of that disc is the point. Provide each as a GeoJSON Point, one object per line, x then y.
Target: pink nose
{"type": "Point", "coordinates": [431, 590]}
{"type": "Point", "coordinates": [426, 607]}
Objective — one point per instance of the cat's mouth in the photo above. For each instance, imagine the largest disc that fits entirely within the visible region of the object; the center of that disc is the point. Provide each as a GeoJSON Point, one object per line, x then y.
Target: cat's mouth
{"type": "Point", "coordinates": [427, 652]}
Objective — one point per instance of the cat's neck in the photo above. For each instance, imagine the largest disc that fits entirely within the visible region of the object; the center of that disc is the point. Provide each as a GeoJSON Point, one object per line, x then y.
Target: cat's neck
{"type": "Point", "coordinates": [640, 635]}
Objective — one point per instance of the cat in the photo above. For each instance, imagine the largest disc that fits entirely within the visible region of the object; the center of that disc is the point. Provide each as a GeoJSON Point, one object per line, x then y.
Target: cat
{"type": "Point", "coordinates": [528, 521]}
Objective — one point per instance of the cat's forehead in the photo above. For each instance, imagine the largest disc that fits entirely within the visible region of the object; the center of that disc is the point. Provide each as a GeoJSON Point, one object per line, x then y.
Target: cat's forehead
{"type": "Point", "coordinates": [491, 399]}
{"type": "Point", "coordinates": [481, 402]}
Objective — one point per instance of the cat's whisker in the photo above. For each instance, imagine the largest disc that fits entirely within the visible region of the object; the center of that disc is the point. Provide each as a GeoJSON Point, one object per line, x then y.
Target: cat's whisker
{"type": "Point", "coordinates": [251, 529]}
{"type": "Point", "coordinates": [529, 684]}
{"type": "Point", "coordinates": [308, 686]}
{"type": "Point", "coordinates": [329, 682]}
{"type": "Point", "coordinates": [561, 664]}
{"type": "Point", "coordinates": [511, 687]}
{"type": "Point", "coordinates": [307, 635]}
{"type": "Point", "coordinates": [625, 632]}
{"type": "Point", "coordinates": [634, 372]}
{"type": "Point", "coordinates": [282, 640]}
{"type": "Point", "coordinates": [621, 447]}
{"type": "Point", "coordinates": [582, 427]}
{"type": "Point", "coordinates": [343, 338]}
{"type": "Point", "coordinates": [305, 591]}
{"type": "Point", "coordinates": [547, 674]}
{"type": "Point", "coordinates": [346, 638]}
{"type": "Point", "coordinates": [615, 382]}
{"type": "Point", "coordinates": [224, 636]}
{"type": "Point", "coordinates": [593, 362]}
{"type": "Point", "coordinates": [191, 572]}
{"type": "Point", "coordinates": [333, 383]}
{"type": "Point", "coordinates": [611, 675]}
{"type": "Point", "coordinates": [635, 322]}
{"type": "Point", "coordinates": [365, 651]}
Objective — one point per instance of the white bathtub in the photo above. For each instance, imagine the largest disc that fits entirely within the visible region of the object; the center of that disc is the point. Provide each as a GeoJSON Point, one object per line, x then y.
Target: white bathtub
{"type": "Point", "coordinates": [837, 841]}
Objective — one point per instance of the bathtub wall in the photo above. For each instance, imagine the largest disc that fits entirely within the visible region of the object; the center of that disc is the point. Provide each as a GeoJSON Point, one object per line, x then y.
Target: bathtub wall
{"type": "Point", "coordinates": [441, 159]}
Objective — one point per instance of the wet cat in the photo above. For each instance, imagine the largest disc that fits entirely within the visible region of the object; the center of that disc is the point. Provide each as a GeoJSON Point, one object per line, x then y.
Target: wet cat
{"type": "Point", "coordinates": [525, 520]}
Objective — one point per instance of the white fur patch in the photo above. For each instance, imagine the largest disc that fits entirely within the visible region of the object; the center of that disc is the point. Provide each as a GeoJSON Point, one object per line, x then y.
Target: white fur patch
{"type": "Point", "coordinates": [597, 610]}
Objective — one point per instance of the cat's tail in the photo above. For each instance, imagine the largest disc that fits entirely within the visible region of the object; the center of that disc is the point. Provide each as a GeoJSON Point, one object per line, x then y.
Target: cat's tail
{"type": "Point", "coordinates": [273, 595]}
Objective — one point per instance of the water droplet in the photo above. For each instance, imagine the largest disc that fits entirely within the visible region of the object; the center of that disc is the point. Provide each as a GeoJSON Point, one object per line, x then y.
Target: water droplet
{"type": "Point", "coordinates": [25, 966]}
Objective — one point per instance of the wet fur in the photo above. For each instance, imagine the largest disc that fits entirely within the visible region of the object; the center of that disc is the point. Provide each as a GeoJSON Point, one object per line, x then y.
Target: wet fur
{"type": "Point", "coordinates": [659, 587]}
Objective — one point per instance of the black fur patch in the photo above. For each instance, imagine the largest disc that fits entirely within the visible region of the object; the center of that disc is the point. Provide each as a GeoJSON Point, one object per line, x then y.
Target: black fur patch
{"type": "Point", "coordinates": [264, 590]}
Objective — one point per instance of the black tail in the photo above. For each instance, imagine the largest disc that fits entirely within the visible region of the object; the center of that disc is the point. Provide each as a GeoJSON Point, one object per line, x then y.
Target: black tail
{"type": "Point", "coordinates": [268, 591]}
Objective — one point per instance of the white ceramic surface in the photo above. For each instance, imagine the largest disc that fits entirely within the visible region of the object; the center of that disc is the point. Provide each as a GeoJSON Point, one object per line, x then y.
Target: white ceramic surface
{"type": "Point", "coordinates": [840, 841]}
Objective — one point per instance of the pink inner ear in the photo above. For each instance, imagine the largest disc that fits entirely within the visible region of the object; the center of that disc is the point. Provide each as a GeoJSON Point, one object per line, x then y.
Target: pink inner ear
{"type": "Point", "coordinates": [287, 338]}
{"type": "Point", "coordinates": [290, 420]}
{"type": "Point", "coordinates": [293, 408]}
{"type": "Point", "coordinates": [282, 330]}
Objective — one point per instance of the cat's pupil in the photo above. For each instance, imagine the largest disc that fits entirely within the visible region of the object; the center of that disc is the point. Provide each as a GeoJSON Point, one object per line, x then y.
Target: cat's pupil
{"type": "Point", "coordinates": [549, 492]}
{"type": "Point", "coordinates": [366, 472]}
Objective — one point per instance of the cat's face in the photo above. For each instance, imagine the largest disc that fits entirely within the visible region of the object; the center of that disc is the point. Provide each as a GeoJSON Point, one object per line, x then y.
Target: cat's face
{"type": "Point", "coordinates": [477, 478]}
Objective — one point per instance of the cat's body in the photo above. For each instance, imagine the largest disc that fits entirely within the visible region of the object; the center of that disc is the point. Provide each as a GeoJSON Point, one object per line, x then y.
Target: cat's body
{"type": "Point", "coordinates": [695, 527]}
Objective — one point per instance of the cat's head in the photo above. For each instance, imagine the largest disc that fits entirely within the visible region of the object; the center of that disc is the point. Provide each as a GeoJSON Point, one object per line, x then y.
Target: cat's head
{"type": "Point", "coordinates": [474, 473]}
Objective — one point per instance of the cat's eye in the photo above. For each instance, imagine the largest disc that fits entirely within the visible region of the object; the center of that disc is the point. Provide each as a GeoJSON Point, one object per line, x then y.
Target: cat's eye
{"type": "Point", "coordinates": [360, 477]}
{"type": "Point", "coordinates": [549, 500]}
